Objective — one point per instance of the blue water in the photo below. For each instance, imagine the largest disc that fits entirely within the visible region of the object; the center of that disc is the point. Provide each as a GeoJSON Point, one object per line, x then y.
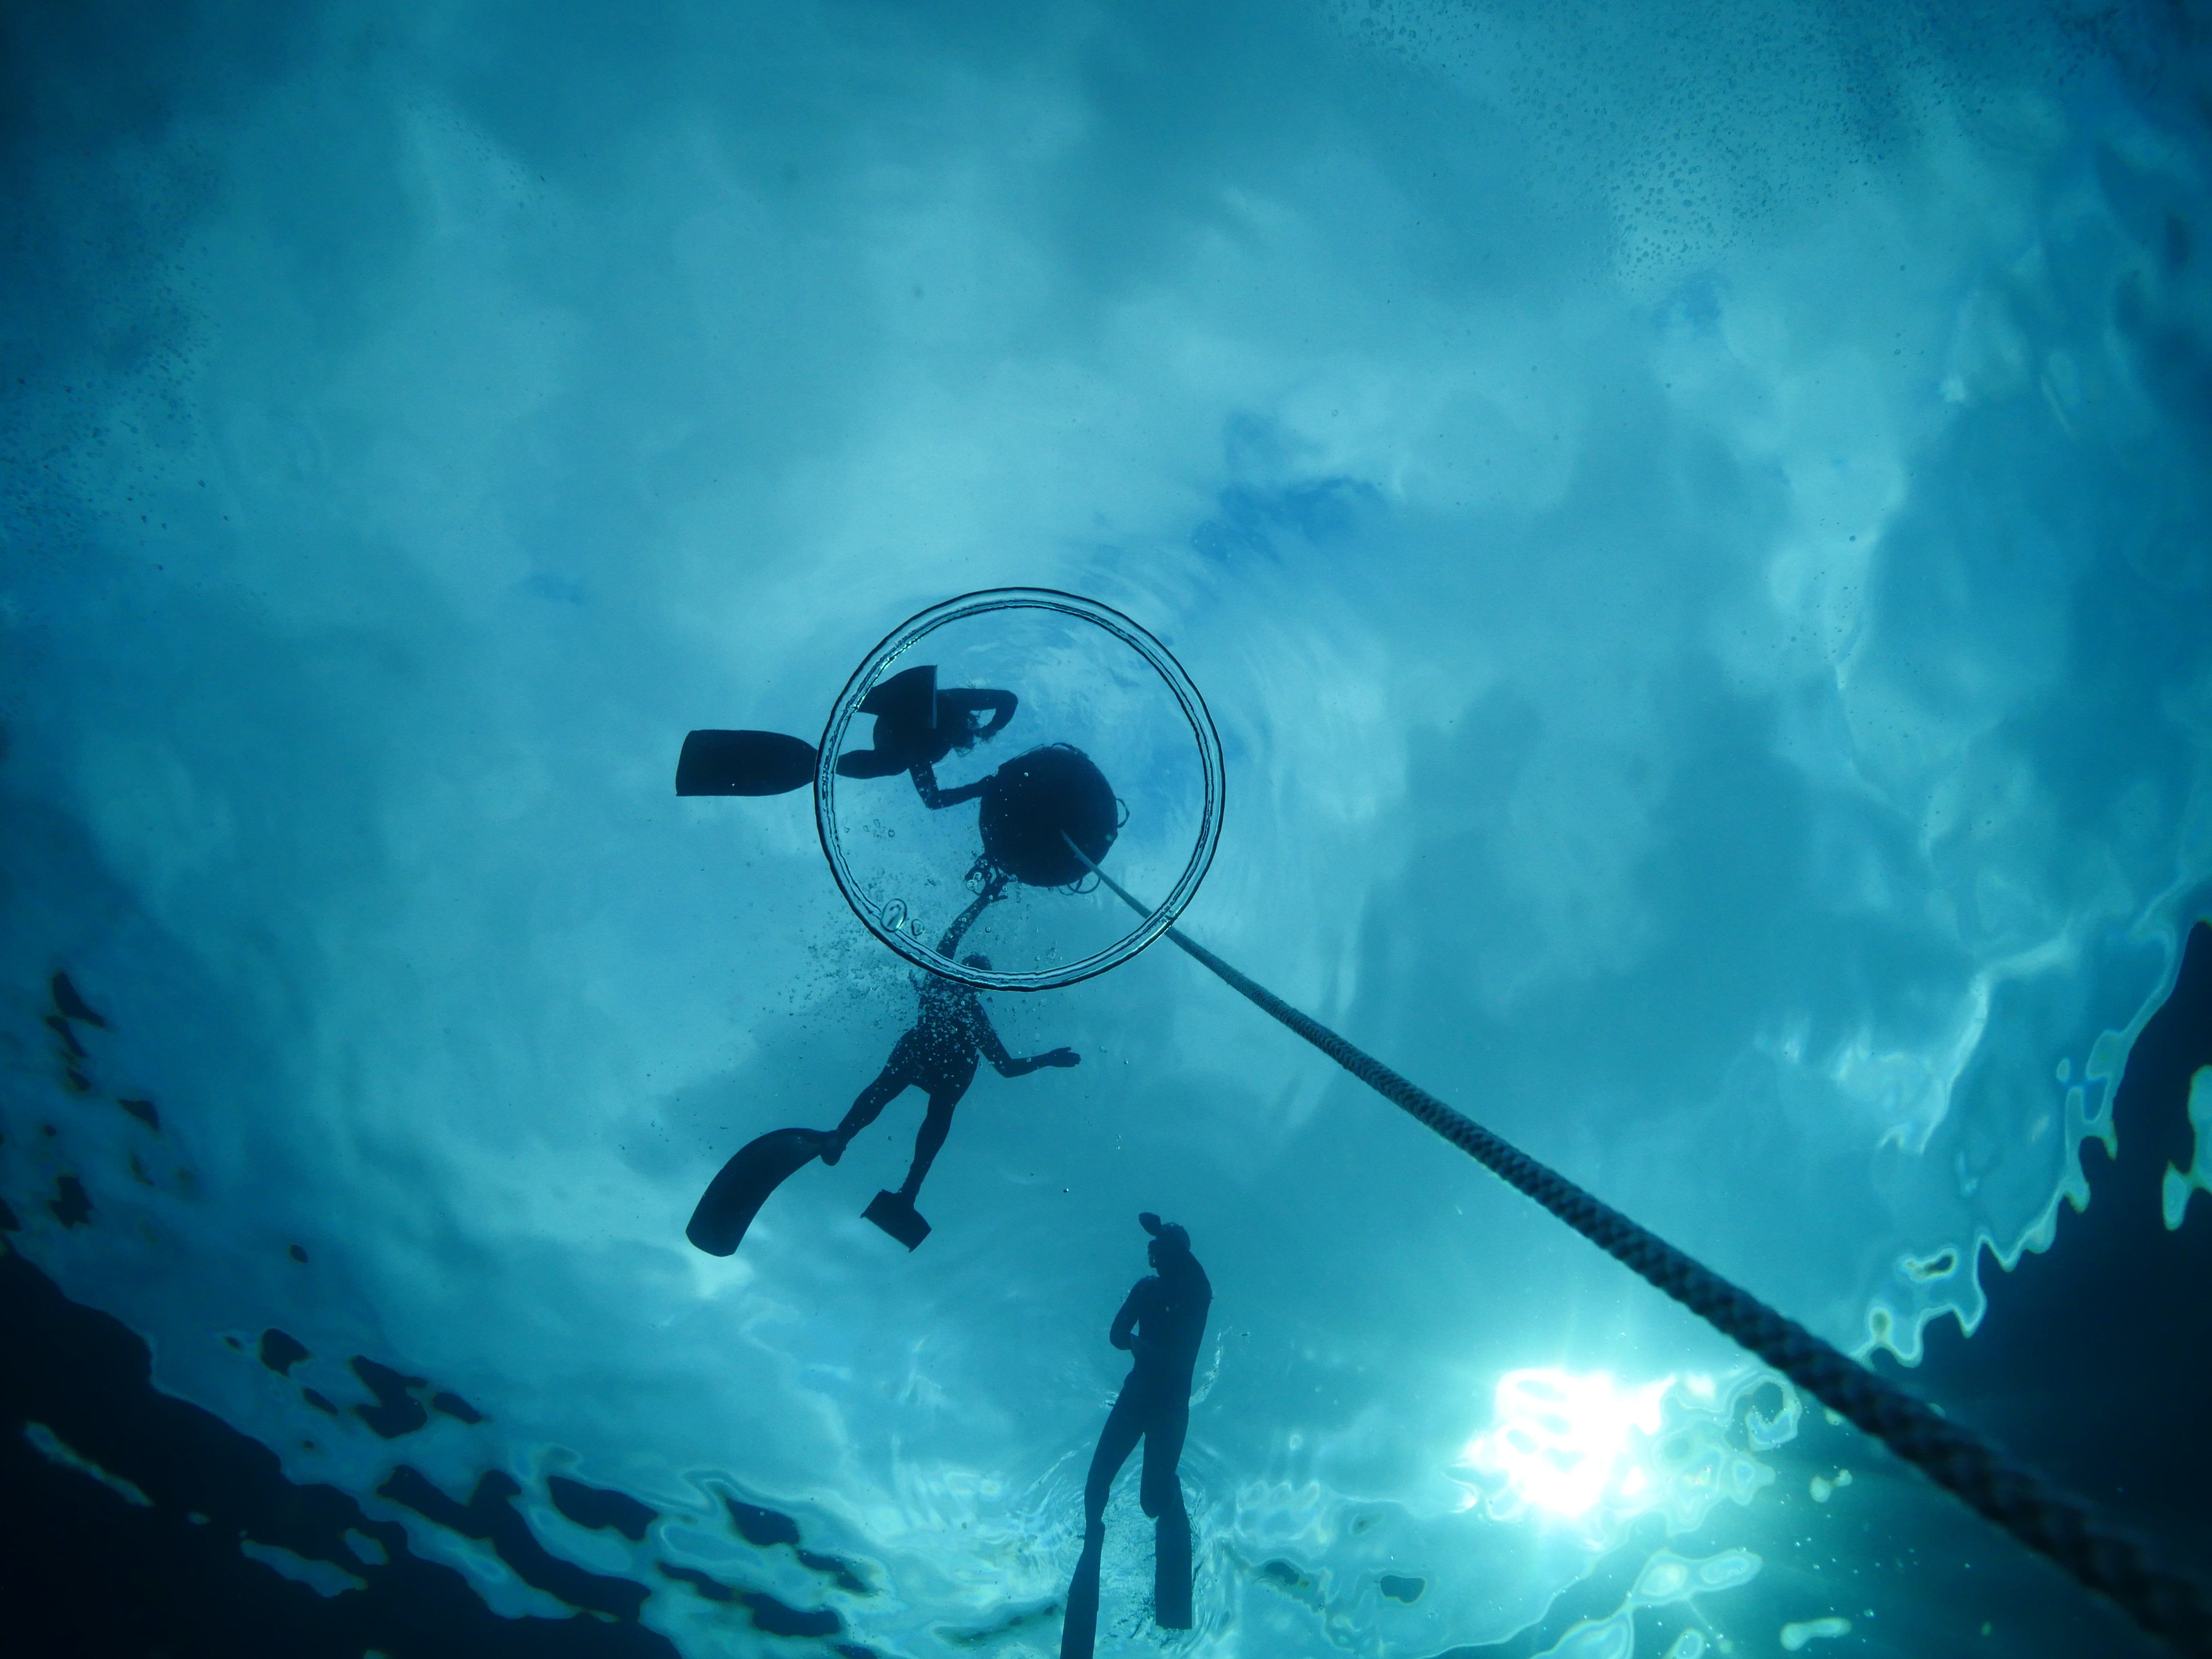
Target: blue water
{"type": "Point", "coordinates": [1691, 522]}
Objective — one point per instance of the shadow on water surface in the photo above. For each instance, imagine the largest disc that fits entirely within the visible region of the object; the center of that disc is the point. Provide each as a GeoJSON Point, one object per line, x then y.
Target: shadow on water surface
{"type": "Point", "coordinates": [135, 1523]}
{"type": "Point", "coordinates": [88, 1569]}
{"type": "Point", "coordinates": [2093, 1354]}
{"type": "Point", "coordinates": [126, 1512]}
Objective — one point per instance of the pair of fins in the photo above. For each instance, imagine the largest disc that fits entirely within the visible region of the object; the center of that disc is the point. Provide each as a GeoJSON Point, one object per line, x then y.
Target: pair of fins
{"type": "Point", "coordinates": [735, 1196]}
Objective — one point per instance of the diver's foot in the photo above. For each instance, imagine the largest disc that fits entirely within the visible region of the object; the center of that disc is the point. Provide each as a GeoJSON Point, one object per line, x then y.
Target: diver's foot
{"type": "Point", "coordinates": [896, 1216]}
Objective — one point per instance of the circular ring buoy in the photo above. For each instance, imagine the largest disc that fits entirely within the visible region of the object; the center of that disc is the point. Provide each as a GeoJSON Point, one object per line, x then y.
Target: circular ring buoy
{"type": "Point", "coordinates": [1036, 805]}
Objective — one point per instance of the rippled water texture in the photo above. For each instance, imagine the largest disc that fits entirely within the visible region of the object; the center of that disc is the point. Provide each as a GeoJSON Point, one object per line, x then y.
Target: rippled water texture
{"type": "Point", "coordinates": [1694, 525]}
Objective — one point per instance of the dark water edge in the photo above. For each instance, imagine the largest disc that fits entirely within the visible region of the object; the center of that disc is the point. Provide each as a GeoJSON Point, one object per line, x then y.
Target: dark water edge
{"type": "Point", "coordinates": [2095, 1358]}
{"type": "Point", "coordinates": [140, 1553]}
{"type": "Point", "coordinates": [88, 1569]}
{"type": "Point", "coordinates": [2092, 1363]}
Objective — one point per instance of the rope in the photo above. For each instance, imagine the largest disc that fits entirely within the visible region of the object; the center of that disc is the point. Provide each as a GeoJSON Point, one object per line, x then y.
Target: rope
{"type": "Point", "coordinates": [2168, 1603]}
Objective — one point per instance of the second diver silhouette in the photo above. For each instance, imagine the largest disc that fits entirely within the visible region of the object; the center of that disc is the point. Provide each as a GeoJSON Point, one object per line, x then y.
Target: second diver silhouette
{"type": "Point", "coordinates": [1161, 1324]}
{"type": "Point", "coordinates": [1033, 807]}
{"type": "Point", "coordinates": [918, 725]}
{"type": "Point", "coordinates": [939, 1055]}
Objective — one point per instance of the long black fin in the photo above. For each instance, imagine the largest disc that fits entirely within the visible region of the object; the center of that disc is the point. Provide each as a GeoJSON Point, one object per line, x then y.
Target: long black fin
{"type": "Point", "coordinates": [734, 1197]}
{"type": "Point", "coordinates": [744, 763]}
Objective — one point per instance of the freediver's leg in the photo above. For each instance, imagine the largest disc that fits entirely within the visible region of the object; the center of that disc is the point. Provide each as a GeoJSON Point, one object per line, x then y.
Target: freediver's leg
{"type": "Point", "coordinates": [865, 1109]}
{"type": "Point", "coordinates": [872, 763]}
{"type": "Point", "coordinates": [1078, 1629]}
{"type": "Point", "coordinates": [1125, 1424]}
{"type": "Point", "coordinates": [929, 1140]}
{"type": "Point", "coordinates": [1161, 1494]}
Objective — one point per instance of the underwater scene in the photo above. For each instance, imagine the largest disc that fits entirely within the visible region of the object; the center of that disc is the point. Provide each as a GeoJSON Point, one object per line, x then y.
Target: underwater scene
{"type": "Point", "coordinates": [874, 831]}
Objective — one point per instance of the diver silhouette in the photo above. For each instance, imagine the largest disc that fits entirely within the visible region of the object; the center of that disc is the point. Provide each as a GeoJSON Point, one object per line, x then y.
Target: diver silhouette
{"type": "Point", "coordinates": [939, 1056]}
{"type": "Point", "coordinates": [1048, 815]}
{"type": "Point", "coordinates": [918, 725]}
{"type": "Point", "coordinates": [1161, 1324]}
{"type": "Point", "coordinates": [936, 1054]}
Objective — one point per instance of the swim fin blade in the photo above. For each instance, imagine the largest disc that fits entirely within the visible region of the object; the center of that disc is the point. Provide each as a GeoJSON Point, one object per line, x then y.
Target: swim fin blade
{"type": "Point", "coordinates": [897, 1216]}
{"type": "Point", "coordinates": [744, 763]}
{"type": "Point", "coordinates": [734, 1197]}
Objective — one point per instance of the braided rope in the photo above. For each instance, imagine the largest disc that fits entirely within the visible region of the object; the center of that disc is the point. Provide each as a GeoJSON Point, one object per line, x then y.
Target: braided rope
{"type": "Point", "coordinates": [2168, 1603]}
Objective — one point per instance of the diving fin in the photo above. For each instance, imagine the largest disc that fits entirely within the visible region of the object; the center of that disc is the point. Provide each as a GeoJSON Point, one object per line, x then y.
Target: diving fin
{"type": "Point", "coordinates": [744, 763]}
{"type": "Point", "coordinates": [897, 1216]}
{"type": "Point", "coordinates": [734, 1197]}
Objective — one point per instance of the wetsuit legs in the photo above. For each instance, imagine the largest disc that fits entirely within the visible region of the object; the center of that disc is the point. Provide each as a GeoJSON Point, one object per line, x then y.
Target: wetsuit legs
{"type": "Point", "coordinates": [866, 1109]}
{"type": "Point", "coordinates": [929, 1140]}
{"type": "Point", "coordinates": [1078, 1626]}
{"type": "Point", "coordinates": [1079, 1631]}
{"type": "Point", "coordinates": [1161, 1495]}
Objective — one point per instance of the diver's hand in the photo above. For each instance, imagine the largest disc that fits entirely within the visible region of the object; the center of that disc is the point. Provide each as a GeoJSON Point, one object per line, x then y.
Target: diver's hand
{"type": "Point", "coordinates": [1023, 1065]}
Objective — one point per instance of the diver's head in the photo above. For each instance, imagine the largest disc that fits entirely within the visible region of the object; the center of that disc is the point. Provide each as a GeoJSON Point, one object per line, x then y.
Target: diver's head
{"type": "Point", "coordinates": [1170, 1244]}
{"type": "Point", "coordinates": [978, 960]}
{"type": "Point", "coordinates": [968, 729]}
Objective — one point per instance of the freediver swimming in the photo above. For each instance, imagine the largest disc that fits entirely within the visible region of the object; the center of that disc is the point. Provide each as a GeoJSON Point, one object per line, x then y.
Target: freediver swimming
{"type": "Point", "coordinates": [917, 726]}
{"type": "Point", "coordinates": [937, 1054]}
{"type": "Point", "coordinates": [1161, 1323]}
{"type": "Point", "coordinates": [1031, 806]}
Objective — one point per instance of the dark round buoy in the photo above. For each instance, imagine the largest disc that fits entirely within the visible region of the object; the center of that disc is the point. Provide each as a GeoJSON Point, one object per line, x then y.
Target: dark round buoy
{"type": "Point", "coordinates": [1037, 799]}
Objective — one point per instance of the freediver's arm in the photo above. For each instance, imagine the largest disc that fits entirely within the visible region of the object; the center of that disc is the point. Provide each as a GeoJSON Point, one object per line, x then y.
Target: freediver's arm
{"type": "Point", "coordinates": [1124, 1333]}
{"type": "Point", "coordinates": [936, 800]}
{"type": "Point", "coordinates": [964, 700]}
{"type": "Point", "coordinates": [966, 919]}
{"type": "Point", "coordinates": [1006, 1065]}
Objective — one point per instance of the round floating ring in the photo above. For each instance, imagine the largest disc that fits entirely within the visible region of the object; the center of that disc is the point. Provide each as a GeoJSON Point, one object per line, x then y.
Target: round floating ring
{"type": "Point", "coordinates": [888, 922]}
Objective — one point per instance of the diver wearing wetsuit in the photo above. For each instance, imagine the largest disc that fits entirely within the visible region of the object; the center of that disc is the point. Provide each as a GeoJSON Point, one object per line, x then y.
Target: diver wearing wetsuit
{"type": "Point", "coordinates": [1161, 1324]}
{"type": "Point", "coordinates": [938, 1056]}
{"type": "Point", "coordinates": [918, 725]}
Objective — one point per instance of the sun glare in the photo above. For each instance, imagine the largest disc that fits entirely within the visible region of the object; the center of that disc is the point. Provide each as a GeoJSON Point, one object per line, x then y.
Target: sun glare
{"type": "Point", "coordinates": [1564, 1444]}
